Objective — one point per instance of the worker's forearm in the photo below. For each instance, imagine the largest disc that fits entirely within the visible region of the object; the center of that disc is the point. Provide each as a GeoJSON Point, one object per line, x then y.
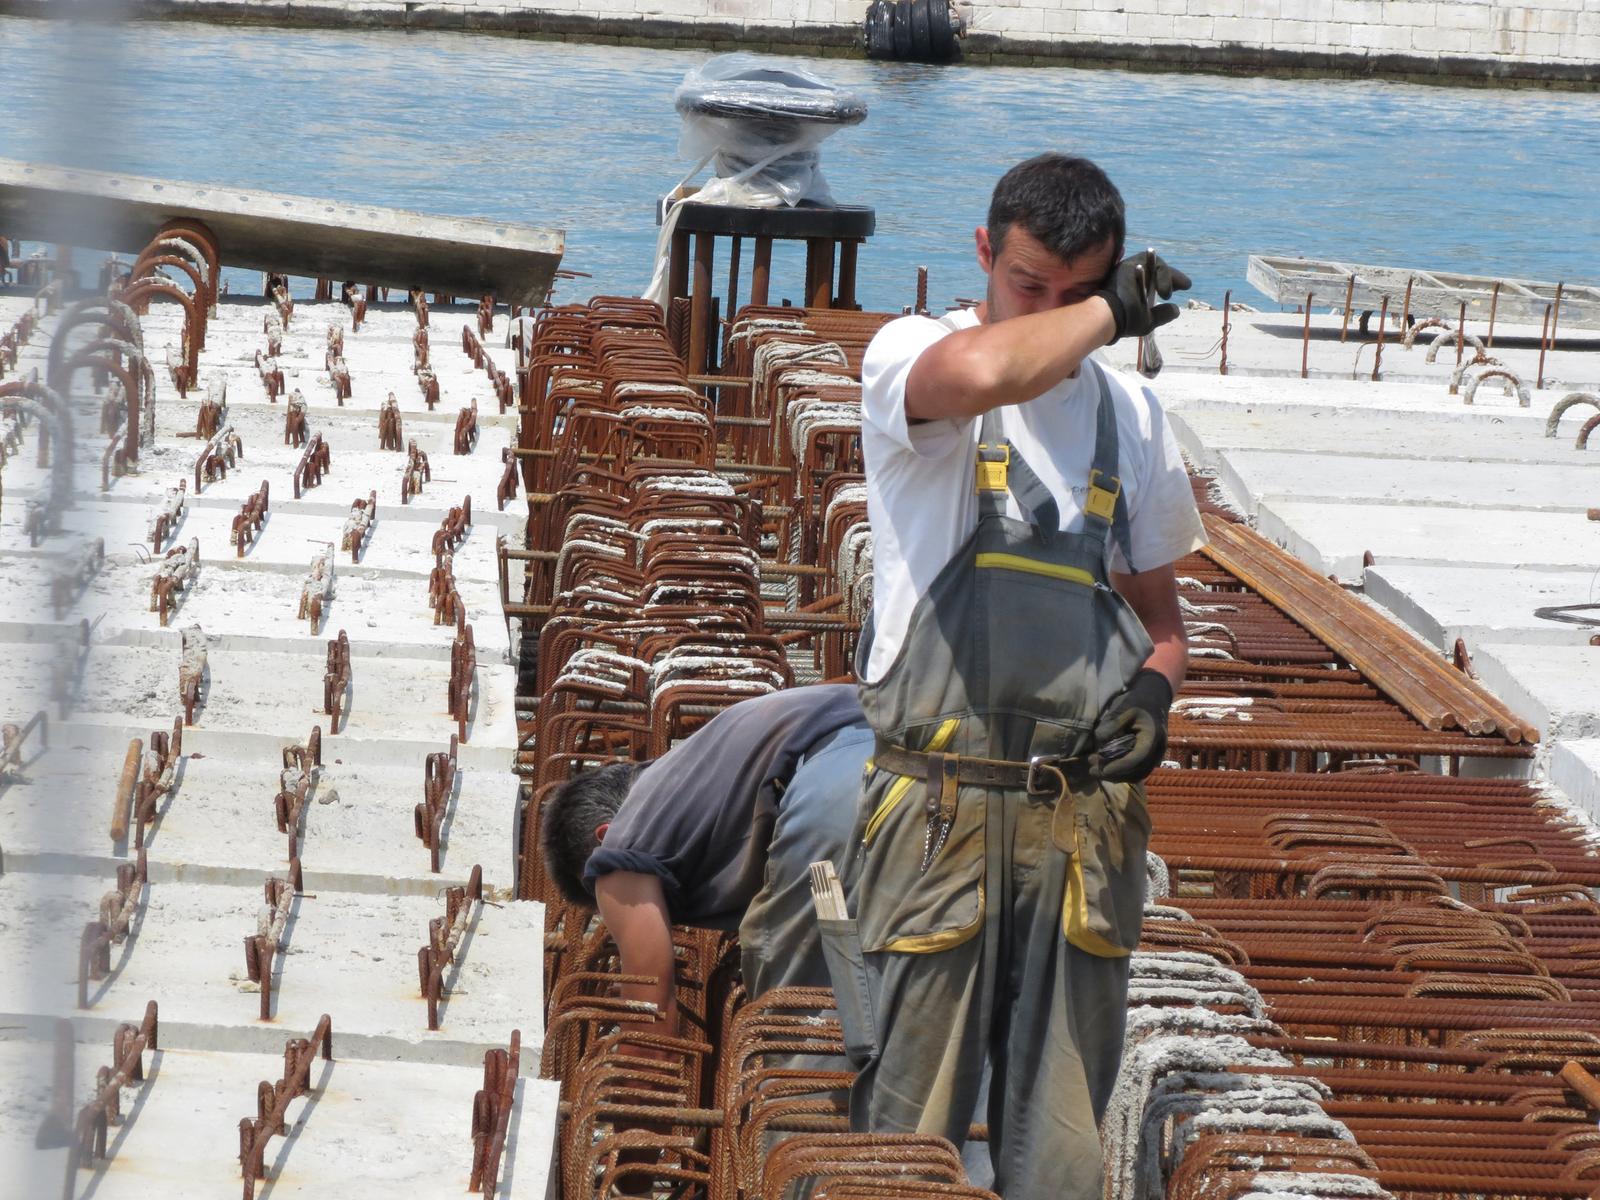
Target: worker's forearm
{"type": "Point", "coordinates": [1008, 362]}
{"type": "Point", "coordinates": [1171, 658]}
{"type": "Point", "coordinates": [634, 909]}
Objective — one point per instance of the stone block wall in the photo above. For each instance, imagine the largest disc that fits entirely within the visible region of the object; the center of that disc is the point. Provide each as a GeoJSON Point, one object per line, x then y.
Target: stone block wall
{"type": "Point", "coordinates": [1535, 41]}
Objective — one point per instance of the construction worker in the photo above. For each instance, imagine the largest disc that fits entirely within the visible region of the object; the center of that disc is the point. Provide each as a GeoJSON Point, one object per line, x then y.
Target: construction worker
{"type": "Point", "coordinates": [718, 832]}
{"type": "Point", "coordinates": [1027, 506]}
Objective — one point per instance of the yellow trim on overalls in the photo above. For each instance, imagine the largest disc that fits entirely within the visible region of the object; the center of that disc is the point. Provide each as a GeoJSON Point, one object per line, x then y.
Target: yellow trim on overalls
{"type": "Point", "coordinates": [945, 939]}
{"type": "Point", "coordinates": [897, 791]}
{"type": "Point", "coordinates": [1016, 562]}
{"type": "Point", "coordinates": [1075, 914]}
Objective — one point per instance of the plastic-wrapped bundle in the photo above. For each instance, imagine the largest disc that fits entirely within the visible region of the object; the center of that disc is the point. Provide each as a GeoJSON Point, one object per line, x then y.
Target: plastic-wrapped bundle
{"type": "Point", "coordinates": [761, 125]}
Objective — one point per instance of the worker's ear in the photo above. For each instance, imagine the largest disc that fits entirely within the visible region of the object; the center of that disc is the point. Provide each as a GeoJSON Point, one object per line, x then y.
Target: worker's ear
{"type": "Point", "coordinates": [985, 250]}
{"type": "Point", "coordinates": [600, 831]}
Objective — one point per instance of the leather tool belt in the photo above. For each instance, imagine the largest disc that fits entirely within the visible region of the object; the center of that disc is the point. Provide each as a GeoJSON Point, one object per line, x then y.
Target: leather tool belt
{"type": "Point", "coordinates": [1039, 776]}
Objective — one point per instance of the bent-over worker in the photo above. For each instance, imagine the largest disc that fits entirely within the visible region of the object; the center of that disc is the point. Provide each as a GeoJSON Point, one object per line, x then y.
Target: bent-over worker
{"type": "Point", "coordinates": [718, 832]}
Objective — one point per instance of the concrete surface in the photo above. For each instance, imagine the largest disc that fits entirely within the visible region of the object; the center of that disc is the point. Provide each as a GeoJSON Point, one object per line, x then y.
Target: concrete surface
{"type": "Point", "coordinates": [354, 1135]}
{"type": "Point", "coordinates": [297, 235]}
{"type": "Point", "coordinates": [1444, 603]}
{"type": "Point", "coordinates": [399, 1097]}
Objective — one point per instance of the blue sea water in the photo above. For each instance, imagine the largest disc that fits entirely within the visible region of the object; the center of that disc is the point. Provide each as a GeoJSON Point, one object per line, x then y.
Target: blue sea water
{"type": "Point", "coordinates": [585, 137]}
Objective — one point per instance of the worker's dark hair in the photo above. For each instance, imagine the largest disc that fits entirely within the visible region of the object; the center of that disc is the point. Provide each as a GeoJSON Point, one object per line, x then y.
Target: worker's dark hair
{"type": "Point", "coordinates": [1067, 203]}
{"type": "Point", "coordinates": [571, 815]}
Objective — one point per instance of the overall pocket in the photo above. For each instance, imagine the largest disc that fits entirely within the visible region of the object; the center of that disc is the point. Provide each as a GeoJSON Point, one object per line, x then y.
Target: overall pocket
{"type": "Point", "coordinates": [1104, 829]}
{"type": "Point", "coordinates": [901, 908]}
{"type": "Point", "coordinates": [852, 989]}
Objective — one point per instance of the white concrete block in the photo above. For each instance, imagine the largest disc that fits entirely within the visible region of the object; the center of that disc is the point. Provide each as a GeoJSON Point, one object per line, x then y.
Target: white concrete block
{"type": "Point", "coordinates": [1413, 14]}
{"type": "Point", "coordinates": [1478, 604]}
{"type": "Point", "coordinates": [1575, 770]}
{"type": "Point", "coordinates": [361, 1132]}
{"type": "Point", "coordinates": [1172, 8]}
{"type": "Point", "coordinates": [1495, 489]}
{"type": "Point", "coordinates": [1150, 25]}
{"type": "Point", "coordinates": [1333, 537]}
{"type": "Point", "coordinates": [1265, 10]}
{"type": "Point", "coordinates": [1357, 12]}
{"type": "Point", "coordinates": [1542, 45]}
{"type": "Point", "coordinates": [1558, 686]}
{"type": "Point", "coordinates": [1380, 37]}
{"type": "Point", "coordinates": [1464, 16]}
{"type": "Point", "coordinates": [217, 824]}
{"type": "Point", "coordinates": [1298, 33]}
{"type": "Point", "coordinates": [1027, 20]}
{"type": "Point", "coordinates": [1302, 10]}
{"type": "Point", "coordinates": [1194, 29]}
{"type": "Point", "coordinates": [1102, 23]}
{"type": "Point", "coordinates": [353, 957]}
{"type": "Point", "coordinates": [1247, 31]}
{"type": "Point", "coordinates": [1441, 40]}
{"type": "Point", "coordinates": [1060, 20]}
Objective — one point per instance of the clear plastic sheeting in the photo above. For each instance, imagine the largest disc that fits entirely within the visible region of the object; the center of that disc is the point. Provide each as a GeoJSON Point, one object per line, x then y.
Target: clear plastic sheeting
{"type": "Point", "coordinates": [760, 126]}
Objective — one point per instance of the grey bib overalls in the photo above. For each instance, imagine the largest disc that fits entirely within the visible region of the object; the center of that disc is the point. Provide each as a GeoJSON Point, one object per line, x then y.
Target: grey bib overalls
{"type": "Point", "coordinates": [996, 912]}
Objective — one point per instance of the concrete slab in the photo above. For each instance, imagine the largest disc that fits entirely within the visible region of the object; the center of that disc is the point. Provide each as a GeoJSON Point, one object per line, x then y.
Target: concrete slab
{"type": "Point", "coordinates": [252, 607]}
{"type": "Point", "coordinates": [1575, 769]}
{"type": "Point", "coordinates": [294, 234]}
{"type": "Point", "coordinates": [217, 825]}
{"type": "Point", "coordinates": [1322, 431]}
{"type": "Point", "coordinates": [355, 1135]}
{"type": "Point", "coordinates": [393, 705]}
{"type": "Point", "coordinates": [352, 956]}
{"type": "Point", "coordinates": [1333, 537]}
{"type": "Point", "coordinates": [1270, 344]}
{"type": "Point", "coordinates": [1559, 686]}
{"type": "Point", "coordinates": [1481, 604]}
{"type": "Point", "coordinates": [1254, 476]}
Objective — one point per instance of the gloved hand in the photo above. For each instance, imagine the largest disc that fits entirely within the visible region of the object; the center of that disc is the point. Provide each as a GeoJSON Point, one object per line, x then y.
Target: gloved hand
{"type": "Point", "coordinates": [1130, 737]}
{"type": "Point", "coordinates": [1127, 289]}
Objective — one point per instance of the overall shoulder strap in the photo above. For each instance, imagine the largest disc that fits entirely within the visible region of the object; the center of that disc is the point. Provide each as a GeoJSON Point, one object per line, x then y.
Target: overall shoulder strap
{"type": "Point", "coordinates": [1105, 508]}
{"type": "Point", "coordinates": [1002, 469]}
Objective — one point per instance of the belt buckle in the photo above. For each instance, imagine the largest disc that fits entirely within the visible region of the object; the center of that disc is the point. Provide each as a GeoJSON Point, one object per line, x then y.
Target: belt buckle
{"type": "Point", "coordinates": [1045, 762]}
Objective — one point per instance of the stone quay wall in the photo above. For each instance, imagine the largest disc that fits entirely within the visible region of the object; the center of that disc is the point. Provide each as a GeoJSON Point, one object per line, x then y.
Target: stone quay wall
{"type": "Point", "coordinates": [1541, 42]}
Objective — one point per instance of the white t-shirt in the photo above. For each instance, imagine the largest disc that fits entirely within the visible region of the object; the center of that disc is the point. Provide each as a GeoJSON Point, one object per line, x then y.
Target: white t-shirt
{"type": "Point", "coordinates": [921, 497]}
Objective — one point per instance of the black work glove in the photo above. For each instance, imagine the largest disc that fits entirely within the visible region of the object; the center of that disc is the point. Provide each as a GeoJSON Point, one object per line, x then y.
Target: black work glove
{"type": "Point", "coordinates": [1127, 289]}
{"type": "Point", "coordinates": [1130, 738]}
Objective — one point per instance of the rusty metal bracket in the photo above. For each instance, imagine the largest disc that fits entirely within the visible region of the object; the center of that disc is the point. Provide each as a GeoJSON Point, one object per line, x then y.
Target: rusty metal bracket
{"type": "Point", "coordinates": [444, 940]}
{"type": "Point", "coordinates": [175, 575]}
{"type": "Point", "coordinates": [358, 525]}
{"type": "Point", "coordinates": [491, 1114]}
{"type": "Point", "coordinates": [247, 523]}
{"type": "Point", "coordinates": [438, 783]}
{"type": "Point", "coordinates": [272, 1101]}
{"type": "Point", "coordinates": [336, 679]}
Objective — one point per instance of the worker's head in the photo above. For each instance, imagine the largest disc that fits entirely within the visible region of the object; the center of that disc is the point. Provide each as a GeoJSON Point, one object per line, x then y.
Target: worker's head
{"type": "Point", "coordinates": [575, 819]}
{"type": "Point", "coordinates": [1055, 230]}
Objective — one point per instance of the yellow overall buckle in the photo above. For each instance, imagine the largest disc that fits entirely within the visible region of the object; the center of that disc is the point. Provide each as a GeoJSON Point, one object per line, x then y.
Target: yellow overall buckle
{"type": "Point", "coordinates": [1102, 501]}
{"type": "Point", "coordinates": [993, 472]}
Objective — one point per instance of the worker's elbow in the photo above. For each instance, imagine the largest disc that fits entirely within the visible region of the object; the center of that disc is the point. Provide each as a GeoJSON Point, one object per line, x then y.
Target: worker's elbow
{"type": "Point", "coordinates": [953, 383]}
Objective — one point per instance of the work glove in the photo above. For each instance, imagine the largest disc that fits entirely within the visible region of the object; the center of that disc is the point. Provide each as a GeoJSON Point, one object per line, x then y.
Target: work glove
{"type": "Point", "coordinates": [1130, 738]}
{"type": "Point", "coordinates": [1131, 288]}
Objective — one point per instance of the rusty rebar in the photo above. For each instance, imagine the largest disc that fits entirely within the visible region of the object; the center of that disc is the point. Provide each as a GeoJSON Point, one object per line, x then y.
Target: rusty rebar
{"type": "Point", "coordinates": [444, 940]}
{"type": "Point", "coordinates": [438, 785]}
{"type": "Point", "coordinates": [1305, 339]}
{"type": "Point", "coordinates": [336, 679]}
{"type": "Point", "coordinates": [272, 1101]}
{"type": "Point", "coordinates": [491, 1114]}
{"type": "Point", "coordinates": [1227, 324]}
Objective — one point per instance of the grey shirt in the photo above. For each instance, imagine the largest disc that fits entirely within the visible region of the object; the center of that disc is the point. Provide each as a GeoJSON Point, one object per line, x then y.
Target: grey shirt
{"type": "Point", "coordinates": [700, 817]}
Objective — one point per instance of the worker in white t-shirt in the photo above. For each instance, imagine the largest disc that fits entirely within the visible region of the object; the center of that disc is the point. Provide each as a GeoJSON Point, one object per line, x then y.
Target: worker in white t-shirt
{"type": "Point", "coordinates": [1027, 505]}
